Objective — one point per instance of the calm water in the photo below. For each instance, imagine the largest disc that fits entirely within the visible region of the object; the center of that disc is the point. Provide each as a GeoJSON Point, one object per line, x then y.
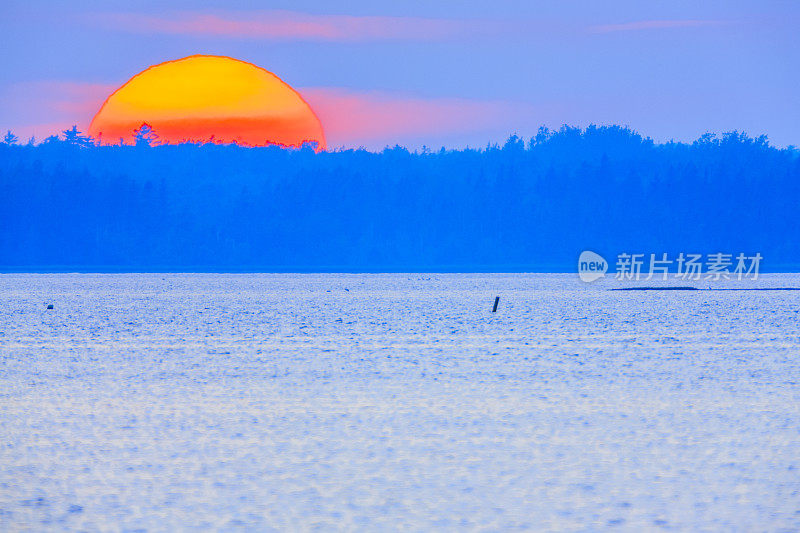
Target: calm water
{"type": "Point", "coordinates": [380, 402]}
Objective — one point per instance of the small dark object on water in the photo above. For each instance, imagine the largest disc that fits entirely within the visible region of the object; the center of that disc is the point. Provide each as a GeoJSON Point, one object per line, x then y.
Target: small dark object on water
{"type": "Point", "coordinates": [496, 301]}
{"type": "Point", "coordinates": [49, 306]}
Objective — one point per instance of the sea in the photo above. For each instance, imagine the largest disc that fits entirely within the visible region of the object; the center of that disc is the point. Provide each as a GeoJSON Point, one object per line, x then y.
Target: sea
{"type": "Point", "coordinates": [382, 402]}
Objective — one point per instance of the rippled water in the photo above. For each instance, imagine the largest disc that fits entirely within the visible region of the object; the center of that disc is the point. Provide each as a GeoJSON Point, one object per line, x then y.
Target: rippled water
{"type": "Point", "coordinates": [380, 402]}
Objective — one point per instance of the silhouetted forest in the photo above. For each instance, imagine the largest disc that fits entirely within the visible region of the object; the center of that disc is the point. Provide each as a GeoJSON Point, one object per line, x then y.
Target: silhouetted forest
{"type": "Point", "coordinates": [527, 205]}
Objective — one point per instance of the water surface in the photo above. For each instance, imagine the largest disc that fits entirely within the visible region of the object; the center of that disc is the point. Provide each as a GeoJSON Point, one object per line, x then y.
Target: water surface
{"type": "Point", "coordinates": [147, 401]}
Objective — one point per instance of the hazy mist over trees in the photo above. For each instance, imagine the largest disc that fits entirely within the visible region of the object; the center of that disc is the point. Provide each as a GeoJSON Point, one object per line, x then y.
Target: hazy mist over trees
{"type": "Point", "coordinates": [528, 205]}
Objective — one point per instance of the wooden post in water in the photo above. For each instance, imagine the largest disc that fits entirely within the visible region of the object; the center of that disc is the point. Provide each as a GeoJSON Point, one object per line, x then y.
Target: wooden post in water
{"type": "Point", "coordinates": [496, 301]}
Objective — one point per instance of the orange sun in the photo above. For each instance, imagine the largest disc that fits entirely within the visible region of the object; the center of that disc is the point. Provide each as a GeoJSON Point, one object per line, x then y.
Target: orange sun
{"type": "Point", "coordinates": [201, 98]}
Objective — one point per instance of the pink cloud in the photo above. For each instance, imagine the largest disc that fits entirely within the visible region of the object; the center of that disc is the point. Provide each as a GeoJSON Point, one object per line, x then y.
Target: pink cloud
{"type": "Point", "coordinates": [377, 119]}
{"type": "Point", "coordinates": [654, 25]}
{"type": "Point", "coordinates": [372, 119]}
{"type": "Point", "coordinates": [288, 25]}
{"type": "Point", "coordinates": [75, 99]}
{"type": "Point", "coordinates": [45, 108]}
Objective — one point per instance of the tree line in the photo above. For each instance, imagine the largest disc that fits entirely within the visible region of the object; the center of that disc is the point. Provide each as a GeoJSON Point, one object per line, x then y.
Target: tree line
{"type": "Point", "coordinates": [524, 205]}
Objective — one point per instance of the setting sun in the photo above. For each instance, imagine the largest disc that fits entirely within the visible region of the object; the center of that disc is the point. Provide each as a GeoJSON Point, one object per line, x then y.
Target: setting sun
{"type": "Point", "coordinates": [208, 98]}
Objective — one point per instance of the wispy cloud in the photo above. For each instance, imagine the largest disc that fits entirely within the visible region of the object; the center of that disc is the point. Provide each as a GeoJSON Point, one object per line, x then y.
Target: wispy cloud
{"type": "Point", "coordinates": [654, 25]}
{"type": "Point", "coordinates": [376, 119]}
{"type": "Point", "coordinates": [289, 25]}
{"type": "Point", "coordinates": [281, 25]}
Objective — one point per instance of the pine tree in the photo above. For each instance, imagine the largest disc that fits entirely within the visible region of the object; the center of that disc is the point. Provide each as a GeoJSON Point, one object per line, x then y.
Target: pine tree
{"type": "Point", "coordinates": [10, 138]}
{"type": "Point", "coordinates": [74, 137]}
{"type": "Point", "coordinates": [144, 135]}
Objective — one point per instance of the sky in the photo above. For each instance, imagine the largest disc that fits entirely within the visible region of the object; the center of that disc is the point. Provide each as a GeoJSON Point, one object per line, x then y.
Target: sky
{"type": "Point", "coordinates": [421, 73]}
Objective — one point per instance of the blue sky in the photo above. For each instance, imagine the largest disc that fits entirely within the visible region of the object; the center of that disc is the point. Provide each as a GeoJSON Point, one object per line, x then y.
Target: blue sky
{"type": "Point", "coordinates": [431, 73]}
